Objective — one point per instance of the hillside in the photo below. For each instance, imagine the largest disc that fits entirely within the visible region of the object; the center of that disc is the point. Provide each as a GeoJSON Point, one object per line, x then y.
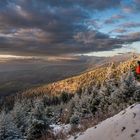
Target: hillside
{"type": "Point", "coordinates": [77, 83]}
{"type": "Point", "coordinates": [102, 93]}
{"type": "Point", "coordinates": [19, 75]}
{"type": "Point", "coordinates": [123, 126]}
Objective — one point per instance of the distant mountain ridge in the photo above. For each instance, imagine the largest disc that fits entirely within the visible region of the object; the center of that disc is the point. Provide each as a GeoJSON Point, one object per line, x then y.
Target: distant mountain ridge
{"type": "Point", "coordinates": [77, 83]}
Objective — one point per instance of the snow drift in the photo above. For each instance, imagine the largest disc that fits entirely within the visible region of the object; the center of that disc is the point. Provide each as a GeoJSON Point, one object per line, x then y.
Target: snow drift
{"type": "Point", "coordinates": [123, 126]}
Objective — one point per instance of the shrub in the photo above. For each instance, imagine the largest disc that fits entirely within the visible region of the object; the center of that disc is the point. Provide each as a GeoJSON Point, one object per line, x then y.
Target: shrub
{"type": "Point", "coordinates": [36, 129]}
{"type": "Point", "coordinates": [74, 120]}
{"type": "Point", "coordinates": [64, 97]}
{"type": "Point", "coordinates": [8, 129]}
{"type": "Point", "coordinates": [137, 95]}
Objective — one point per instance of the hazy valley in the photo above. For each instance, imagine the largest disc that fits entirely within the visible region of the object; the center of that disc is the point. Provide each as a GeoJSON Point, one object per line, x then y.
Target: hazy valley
{"type": "Point", "coordinates": [19, 75]}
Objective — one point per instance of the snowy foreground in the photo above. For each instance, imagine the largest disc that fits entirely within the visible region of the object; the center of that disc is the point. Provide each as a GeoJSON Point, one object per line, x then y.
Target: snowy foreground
{"type": "Point", "coordinates": [123, 126]}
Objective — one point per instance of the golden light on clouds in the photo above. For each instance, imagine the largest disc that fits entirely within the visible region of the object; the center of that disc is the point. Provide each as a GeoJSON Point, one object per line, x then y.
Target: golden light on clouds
{"type": "Point", "coordinates": [6, 58]}
{"type": "Point", "coordinates": [9, 57]}
{"type": "Point", "coordinates": [14, 57]}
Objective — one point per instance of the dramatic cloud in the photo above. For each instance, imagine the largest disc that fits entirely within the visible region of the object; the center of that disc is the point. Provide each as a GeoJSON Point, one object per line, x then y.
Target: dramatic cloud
{"type": "Point", "coordinates": [99, 40]}
{"type": "Point", "coordinates": [102, 41]}
{"type": "Point", "coordinates": [114, 19]}
{"type": "Point", "coordinates": [132, 7]}
{"type": "Point", "coordinates": [93, 23]}
{"type": "Point", "coordinates": [130, 25]}
{"type": "Point", "coordinates": [128, 9]}
{"type": "Point", "coordinates": [56, 27]}
{"type": "Point", "coordinates": [131, 37]}
{"type": "Point", "coordinates": [119, 30]}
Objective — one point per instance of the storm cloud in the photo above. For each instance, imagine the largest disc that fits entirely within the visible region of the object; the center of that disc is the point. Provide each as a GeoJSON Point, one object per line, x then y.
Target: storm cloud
{"type": "Point", "coordinates": [56, 27]}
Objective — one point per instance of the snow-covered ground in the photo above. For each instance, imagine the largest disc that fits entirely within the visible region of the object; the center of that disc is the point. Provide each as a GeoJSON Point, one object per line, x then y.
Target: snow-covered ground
{"type": "Point", "coordinates": [60, 128]}
{"type": "Point", "coordinates": [123, 126]}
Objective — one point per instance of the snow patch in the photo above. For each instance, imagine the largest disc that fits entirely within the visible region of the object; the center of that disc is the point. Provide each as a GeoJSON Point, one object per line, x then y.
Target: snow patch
{"type": "Point", "coordinates": [123, 126]}
{"type": "Point", "coordinates": [65, 129]}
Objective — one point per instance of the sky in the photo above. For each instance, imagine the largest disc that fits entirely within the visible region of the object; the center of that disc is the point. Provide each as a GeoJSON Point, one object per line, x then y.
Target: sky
{"type": "Point", "coordinates": [69, 27]}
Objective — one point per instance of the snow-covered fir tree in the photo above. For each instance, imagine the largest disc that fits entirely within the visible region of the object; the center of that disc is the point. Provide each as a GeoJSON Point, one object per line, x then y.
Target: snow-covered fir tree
{"type": "Point", "coordinates": [8, 129]}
